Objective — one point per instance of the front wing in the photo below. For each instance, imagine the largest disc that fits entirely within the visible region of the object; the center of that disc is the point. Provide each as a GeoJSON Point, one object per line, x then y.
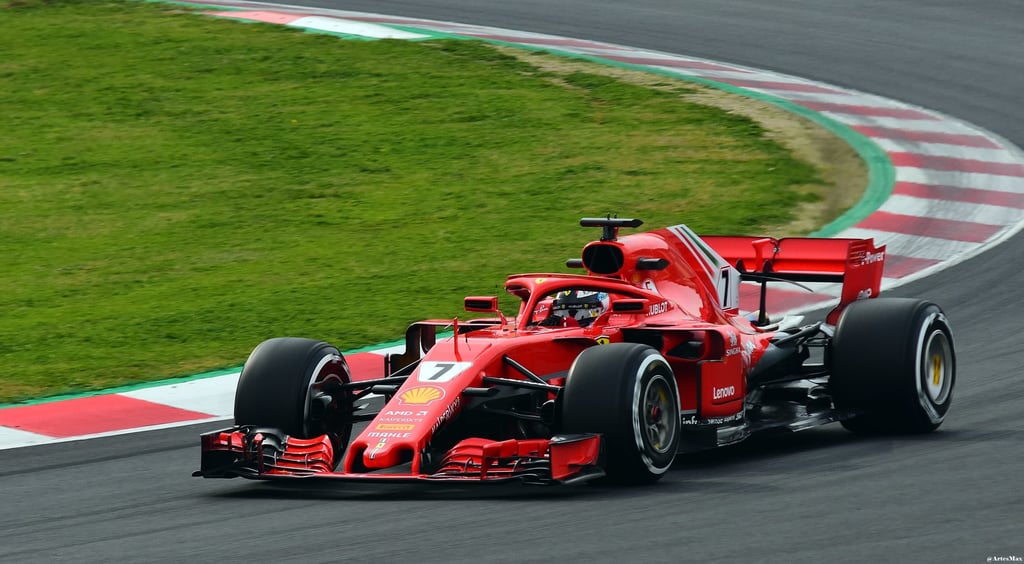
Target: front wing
{"type": "Point", "coordinates": [267, 454]}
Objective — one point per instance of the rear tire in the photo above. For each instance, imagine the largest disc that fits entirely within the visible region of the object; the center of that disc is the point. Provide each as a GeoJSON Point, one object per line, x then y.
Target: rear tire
{"type": "Point", "coordinates": [894, 364]}
{"type": "Point", "coordinates": [627, 392]}
{"type": "Point", "coordinates": [285, 385]}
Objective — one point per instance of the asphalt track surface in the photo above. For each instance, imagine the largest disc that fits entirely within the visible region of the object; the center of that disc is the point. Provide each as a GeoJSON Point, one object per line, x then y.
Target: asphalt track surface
{"type": "Point", "coordinates": [819, 496]}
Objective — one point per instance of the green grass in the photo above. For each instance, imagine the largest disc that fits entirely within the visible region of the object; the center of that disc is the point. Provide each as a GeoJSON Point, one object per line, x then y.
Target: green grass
{"type": "Point", "coordinates": [176, 188]}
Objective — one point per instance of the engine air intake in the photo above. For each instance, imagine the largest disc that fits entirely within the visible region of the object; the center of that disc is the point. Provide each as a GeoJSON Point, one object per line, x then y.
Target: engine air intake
{"type": "Point", "coordinates": [603, 259]}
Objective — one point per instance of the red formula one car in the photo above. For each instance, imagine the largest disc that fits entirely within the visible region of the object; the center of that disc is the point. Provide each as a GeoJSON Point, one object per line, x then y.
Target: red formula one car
{"type": "Point", "coordinates": [608, 373]}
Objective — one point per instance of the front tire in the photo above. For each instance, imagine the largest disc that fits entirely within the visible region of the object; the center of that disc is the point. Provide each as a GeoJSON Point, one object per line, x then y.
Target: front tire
{"type": "Point", "coordinates": [627, 392]}
{"type": "Point", "coordinates": [894, 364]}
{"type": "Point", "coordinates": [294, 385]}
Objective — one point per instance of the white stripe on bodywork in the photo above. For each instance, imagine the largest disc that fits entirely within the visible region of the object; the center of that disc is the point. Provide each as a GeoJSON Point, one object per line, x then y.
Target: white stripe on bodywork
{"type": "Point", "coordinates": [684, 237]}
{"type": "Point", "coordinates": [727, 288]}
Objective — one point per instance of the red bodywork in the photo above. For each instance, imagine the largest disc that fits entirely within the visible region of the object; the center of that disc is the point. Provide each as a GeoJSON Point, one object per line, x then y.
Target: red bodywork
{"type": "Point", "coordinates": [669, 287]}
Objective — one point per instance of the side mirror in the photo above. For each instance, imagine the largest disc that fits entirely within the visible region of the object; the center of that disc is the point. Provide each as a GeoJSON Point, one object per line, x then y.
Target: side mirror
{"type": "Point", "coordinates": [630, 305]}
{"type": "Point", "coordinates": [482, 304]}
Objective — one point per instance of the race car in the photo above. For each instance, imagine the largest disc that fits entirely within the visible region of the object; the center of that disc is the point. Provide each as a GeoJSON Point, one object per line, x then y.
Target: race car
{"type": "Point", "coordinates": [607, 373]}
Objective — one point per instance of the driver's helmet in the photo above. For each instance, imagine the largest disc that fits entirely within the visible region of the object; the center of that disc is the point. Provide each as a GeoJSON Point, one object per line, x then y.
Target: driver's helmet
{"type": "Point", "coordinates": [581, 305]}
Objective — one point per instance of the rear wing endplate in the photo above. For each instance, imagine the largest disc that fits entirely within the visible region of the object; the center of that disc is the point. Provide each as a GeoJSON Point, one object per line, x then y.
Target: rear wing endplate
{"type": "Point", "coordinates": [856, 263]}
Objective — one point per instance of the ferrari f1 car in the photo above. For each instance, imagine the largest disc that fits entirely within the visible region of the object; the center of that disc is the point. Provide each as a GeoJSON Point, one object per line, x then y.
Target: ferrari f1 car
{"type": "Point", "coordinates": [610, 373]}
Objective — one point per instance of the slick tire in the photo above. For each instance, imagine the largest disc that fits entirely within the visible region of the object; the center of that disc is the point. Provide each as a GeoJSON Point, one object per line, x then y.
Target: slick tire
{"type": "Point", "coordinates": [627, 393]}
{"type": "Point", "coordinates": [893, 363]}
{"type": "Point", "coordinates": [293, 385]}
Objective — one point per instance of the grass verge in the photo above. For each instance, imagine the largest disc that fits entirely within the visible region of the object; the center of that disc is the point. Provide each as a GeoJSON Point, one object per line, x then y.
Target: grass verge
{"type": "Point", "coordinates": [176, 188]}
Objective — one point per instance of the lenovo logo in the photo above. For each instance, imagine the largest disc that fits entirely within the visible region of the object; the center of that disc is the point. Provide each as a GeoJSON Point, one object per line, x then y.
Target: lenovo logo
{"type": "Point", "coordinates": [719, 393]}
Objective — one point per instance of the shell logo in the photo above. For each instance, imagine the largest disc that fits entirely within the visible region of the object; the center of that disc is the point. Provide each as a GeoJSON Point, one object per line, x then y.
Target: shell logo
{"type": "Point", "coordinates": [421, 395]}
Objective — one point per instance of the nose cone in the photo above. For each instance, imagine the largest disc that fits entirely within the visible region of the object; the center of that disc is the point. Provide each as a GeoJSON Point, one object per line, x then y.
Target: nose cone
{"type": "Point", "coordinates": [405, 425]}
{"type": "Point", "coordinates": [429, 398]}
{"type": "Point", "coordinates": [390, 449]}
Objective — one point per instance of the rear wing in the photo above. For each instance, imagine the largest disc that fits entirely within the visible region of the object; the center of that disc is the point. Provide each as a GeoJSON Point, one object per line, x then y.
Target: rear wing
{"type": "Point", "coordinates": [856, 263]}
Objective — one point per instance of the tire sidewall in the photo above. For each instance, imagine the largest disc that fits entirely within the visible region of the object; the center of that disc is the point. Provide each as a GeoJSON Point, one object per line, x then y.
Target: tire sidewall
{"type": "Point", "coordinates": [276, 385]}
{"type": "Point", "coordinates": [933, 325]}
{"type": "Point", "coordinates": [604, 394]}
{"type": "Point", "coordinates": [878, 364]}
{"type": "Point", "coordinates": [325, 363]}
{"type": "Point", "coordinates": [654, 370]}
